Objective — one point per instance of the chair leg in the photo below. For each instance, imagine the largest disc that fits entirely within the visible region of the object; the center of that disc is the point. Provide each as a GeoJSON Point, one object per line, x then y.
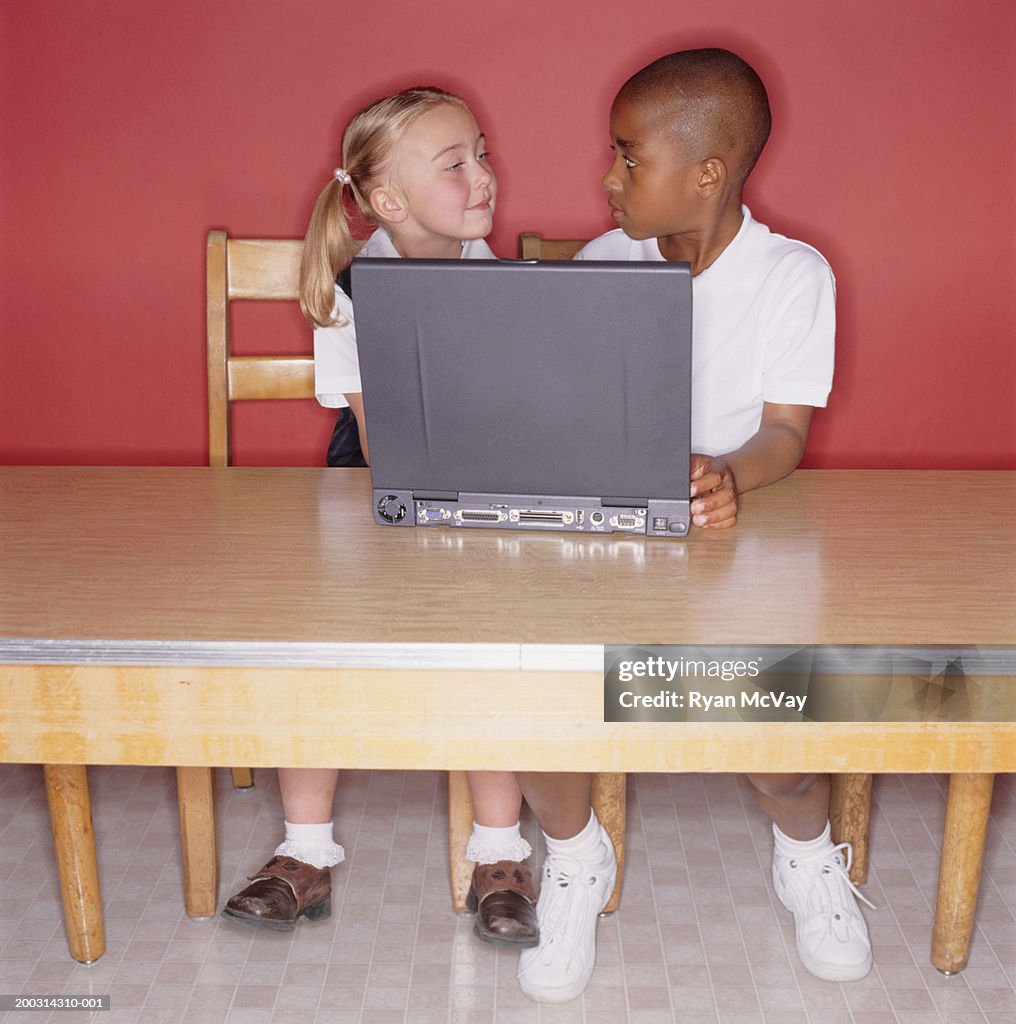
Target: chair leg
{"type": "Point", "coordinates": [610, 803]}
{"type": "Point", "coordinates": [243, 778]}
{"type": "Point", "coordinates": [460, 826]}
{"type": "Point", "coordinates": [849, 815]}
{"type": "Point", "coordinates": [608, 800]}
{"type": "Point", "coordinates": [197, 841]}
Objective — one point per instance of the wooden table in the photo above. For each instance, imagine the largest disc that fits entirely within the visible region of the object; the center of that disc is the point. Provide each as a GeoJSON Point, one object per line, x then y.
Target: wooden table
{"type": "Point", "coordinates": [194, 617]}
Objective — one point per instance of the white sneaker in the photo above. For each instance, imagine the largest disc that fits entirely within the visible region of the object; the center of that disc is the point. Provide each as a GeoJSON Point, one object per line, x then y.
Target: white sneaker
{"type": "Point", "coordinates": [832, 937]}
{"type": "Point", "coordinates": [572, 894]}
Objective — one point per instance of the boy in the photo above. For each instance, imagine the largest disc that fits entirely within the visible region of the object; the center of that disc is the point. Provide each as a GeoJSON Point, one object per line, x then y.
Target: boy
{"type": "Point", "coordinates": [686, 132]}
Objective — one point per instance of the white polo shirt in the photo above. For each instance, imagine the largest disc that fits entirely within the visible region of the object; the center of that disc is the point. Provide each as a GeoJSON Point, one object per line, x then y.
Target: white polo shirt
{"type": "Point", "coordinates": [763, 329]}
{"type": "Point", "coordinates": [336, 364]}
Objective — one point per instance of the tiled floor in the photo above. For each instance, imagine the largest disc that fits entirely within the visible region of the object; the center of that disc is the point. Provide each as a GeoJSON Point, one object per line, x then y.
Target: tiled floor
{"type": "Point", "coordinates": [699, 937]}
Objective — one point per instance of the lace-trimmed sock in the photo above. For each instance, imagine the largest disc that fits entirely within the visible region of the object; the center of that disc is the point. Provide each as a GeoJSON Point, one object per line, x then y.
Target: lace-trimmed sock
{"type": "Point", "coordinates": [312, 844]}
{"type": "Point", "coordinates": [489, 844]}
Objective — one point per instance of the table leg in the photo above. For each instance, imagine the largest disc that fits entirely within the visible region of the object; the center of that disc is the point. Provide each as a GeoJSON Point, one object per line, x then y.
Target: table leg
{"type": "Point", "coordinates": [850, 815]}
{"type": "Point", "coordinates": [197, 841]}
{"type": "Point", "coordinates": [70, 815]}
{"type": "Point", "coordinates": [959, 873]}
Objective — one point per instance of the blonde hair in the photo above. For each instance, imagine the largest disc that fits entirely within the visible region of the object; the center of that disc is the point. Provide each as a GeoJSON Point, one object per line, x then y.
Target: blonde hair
{"type": "Point", "coordinates": [367, 147]}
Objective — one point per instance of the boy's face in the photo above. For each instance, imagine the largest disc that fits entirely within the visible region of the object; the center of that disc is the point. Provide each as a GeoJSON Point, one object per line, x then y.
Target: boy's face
{"type": "Point", "coordinates": [651, 182]}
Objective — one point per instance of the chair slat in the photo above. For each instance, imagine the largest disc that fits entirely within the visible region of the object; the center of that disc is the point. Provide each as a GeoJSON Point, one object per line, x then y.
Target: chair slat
{"type": "Point", "coordinates": [261, 377]}
{"type": "Point", "coordinates": [264, 268]}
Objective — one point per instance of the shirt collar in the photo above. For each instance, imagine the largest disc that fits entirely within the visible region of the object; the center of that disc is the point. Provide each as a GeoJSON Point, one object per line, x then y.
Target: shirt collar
{"type": "Point", "coordinates": [381, 246]}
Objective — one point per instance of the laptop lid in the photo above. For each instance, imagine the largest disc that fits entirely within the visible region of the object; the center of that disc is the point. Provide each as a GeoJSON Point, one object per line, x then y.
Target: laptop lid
{"type": "Point", "coordinates": [536, 381]}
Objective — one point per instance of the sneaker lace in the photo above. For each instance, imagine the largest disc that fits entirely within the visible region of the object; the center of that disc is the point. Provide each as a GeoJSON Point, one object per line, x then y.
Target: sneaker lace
{"type": "Point", "coordinates": [833, 869]}
{"type": "Point", "coordinates": [570, 909]}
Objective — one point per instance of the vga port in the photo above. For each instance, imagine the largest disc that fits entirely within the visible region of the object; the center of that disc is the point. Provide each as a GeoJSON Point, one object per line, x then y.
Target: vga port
{"type": "Point", "coordinates": [627, 522]}
{"type": "Point", "coordinates": [428, 514]}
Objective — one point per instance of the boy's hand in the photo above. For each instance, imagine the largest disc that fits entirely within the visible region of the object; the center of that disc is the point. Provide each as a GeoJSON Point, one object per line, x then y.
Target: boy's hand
{"type": "Point", "coordinates": [713, 492]}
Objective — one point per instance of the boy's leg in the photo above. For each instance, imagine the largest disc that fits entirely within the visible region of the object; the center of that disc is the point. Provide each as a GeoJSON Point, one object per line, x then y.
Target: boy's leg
{"type": "Point", "coordinates": [502, 891]}
{"type": "Point", "coordinates": [810, 876]}
{"type": "Point", "coordinates": [297, 881]}
{"type": "Point", "coordinates": [577, 880]}
{"type": "Point", "coordinates": [798, 804]}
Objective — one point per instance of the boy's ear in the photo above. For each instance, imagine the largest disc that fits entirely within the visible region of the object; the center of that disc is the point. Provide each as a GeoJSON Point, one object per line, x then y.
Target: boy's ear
{"type": "Point", "coordinates": [712, 176]}
{"type": "Point", "coordinates": [388, 206]}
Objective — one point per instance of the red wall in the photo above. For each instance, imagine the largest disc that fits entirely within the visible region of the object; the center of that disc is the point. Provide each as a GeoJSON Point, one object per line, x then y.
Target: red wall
{"type": "Point", "coordinates": [130, 127]}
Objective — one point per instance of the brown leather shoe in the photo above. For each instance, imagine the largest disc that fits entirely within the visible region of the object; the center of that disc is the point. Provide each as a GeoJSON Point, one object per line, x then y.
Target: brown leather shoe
{"type": "Point", "coordinates": [283, 890]}
{"type": "Point", "coordinates": [504, 899]}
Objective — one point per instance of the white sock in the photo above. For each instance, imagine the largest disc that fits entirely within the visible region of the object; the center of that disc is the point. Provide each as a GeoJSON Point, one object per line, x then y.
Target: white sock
{"type": "Point", "coordinates": [585, 843]}
{"type": "Point", "coordinates": [489, 844]}
{"type": "Point", "coordinates": [784, 846]}
{"type": "Point", "coordinates": [313, 844]}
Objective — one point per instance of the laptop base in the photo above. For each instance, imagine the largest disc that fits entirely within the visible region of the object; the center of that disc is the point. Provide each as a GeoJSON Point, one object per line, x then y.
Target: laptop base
{"type": "Point", "coordinates": [652, 518]}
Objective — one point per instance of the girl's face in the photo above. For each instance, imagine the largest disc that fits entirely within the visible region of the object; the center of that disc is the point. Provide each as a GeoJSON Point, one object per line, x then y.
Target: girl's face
{"type": "Point", "coordinates": [442, 173]}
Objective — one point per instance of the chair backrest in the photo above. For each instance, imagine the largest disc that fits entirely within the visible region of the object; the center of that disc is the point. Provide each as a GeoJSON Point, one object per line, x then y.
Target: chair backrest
{"type": "Point", "coordinates": [262, 268]}
{"type": "Point", "coordinates": [248, 268]}
{"type": "Point", "coordinates": [533, 246]}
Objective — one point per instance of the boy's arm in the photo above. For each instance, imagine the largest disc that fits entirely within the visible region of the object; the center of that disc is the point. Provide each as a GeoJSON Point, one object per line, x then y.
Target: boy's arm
{"type": "Point", "coordinates": [774, 451]}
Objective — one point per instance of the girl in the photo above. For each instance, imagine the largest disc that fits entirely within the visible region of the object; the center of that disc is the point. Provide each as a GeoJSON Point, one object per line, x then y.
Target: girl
{"type": "Point", "coordinates": [415, 166]}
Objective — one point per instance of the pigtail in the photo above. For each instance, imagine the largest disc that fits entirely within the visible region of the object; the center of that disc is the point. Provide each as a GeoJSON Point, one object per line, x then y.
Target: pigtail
{"type": "Point", "coordinates": [329, 247]}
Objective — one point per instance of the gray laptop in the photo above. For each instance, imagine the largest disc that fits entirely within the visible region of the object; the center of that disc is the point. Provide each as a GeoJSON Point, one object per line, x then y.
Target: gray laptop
{"type": "Point", "coordinates": [527, 396]}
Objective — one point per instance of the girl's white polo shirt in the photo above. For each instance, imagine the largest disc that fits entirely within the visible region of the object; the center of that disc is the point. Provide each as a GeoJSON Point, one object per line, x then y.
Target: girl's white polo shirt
{"type": "Point", "coordinates": [336, 365]}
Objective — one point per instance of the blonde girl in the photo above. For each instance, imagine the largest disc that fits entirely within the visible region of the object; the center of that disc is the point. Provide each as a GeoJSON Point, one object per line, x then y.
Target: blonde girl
{"type": "Point", "coordinates": [415, 168]}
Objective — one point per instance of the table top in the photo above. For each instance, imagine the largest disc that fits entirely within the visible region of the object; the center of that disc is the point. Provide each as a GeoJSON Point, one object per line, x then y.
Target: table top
{"type": "Point", "coordinates": [244, 555]}
{"type": "Point", "coordinates": [122, 569]}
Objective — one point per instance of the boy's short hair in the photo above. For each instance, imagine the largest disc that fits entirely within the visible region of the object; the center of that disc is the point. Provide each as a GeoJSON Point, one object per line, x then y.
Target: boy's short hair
{"type": "Point", "coordinates": [722, 104]}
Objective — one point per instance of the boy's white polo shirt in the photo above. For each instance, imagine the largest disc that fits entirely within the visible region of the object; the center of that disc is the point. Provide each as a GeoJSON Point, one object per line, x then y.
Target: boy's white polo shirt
{"type": "Point", "coordinates": [336, 363]}
{"type": "Point", "coordinates": [763, 329]}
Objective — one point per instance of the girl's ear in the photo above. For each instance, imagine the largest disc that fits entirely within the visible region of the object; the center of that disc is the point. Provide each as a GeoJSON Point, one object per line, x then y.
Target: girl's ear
{"type": "Point", "coordinates": [388, 206]}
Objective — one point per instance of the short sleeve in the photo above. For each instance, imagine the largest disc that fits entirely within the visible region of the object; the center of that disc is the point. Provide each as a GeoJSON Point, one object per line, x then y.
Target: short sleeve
{"type": "Point", "coordinates": [799, 331]}
{"type": "Point", "coordinates": [336, 364]}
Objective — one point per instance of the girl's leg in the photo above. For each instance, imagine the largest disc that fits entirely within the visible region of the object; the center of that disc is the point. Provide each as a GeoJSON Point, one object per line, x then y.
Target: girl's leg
{"type": "Point", "coordinates": [810, 876]}
{"type": "Point", "coordinates": [497, 798]}
{"type": "Point", "coordinates": [502, 891]}
{"type": "Point", "coordinates": [308, 794]}
{"type": "Point", "coordinates": [297, 881]}
{"type": "Point", "coordinates": [577, 880]}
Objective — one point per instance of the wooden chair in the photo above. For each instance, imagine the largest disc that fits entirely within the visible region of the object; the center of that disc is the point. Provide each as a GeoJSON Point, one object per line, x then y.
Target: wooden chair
{"type": "Point", "coordinates": [247, 268]}
{"type": "Point", "coordinates": [850, 798]}
{"type": "Point", "coordinates": [533, 246]}
{"type": "Point", "coordinates": [269, 269]}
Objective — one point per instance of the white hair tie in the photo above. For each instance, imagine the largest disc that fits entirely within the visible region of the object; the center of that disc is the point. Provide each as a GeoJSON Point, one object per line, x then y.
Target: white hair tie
{"type": "Point", "coordinates": [341, 174]}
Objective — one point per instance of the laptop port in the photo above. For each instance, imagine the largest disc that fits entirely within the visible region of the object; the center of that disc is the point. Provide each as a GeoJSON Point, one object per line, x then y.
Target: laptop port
{"type": "Point", "coordinates": [627, 522]}
{"type": "Point", "coordinates": [478, 515]}
{"type": "Point", "coordinates": [432, 515]}
{"type": "Point", "coordinates": [551, 516]}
